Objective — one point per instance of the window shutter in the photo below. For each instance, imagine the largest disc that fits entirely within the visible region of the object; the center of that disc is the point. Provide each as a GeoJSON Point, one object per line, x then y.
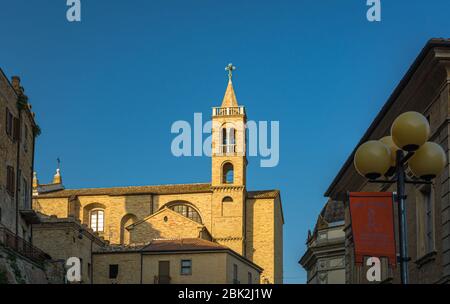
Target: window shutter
{"type": "Point", "coordinates": [16, 135]}
{"type": "Point", "coordinates": [10, 180]}
{"type": "Point", "coordinates": [7, 123]}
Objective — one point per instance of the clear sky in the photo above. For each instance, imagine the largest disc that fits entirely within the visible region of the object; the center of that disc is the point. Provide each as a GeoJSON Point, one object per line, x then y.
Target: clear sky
{"type": "Point", "coordinates": [107, 90]}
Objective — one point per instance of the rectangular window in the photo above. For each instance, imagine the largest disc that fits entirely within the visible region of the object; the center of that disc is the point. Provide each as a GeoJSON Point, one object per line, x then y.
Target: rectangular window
{"type": "Point", "coordinates": [16, 129]}
{"type": "Point", "coordinates": [9, 123]}
{"type": "Point", "coordinates": [25, 195]}
{"type": "Point", "coordinates": [89, 270]}
{"type": "Point", "coordinates": [113, 271]}
{"type": "Point", "coordinates": [186, 267]}
{"type": "Point", "coordinates": [10, 180]}
{"type": "Point", "coordinates": [429, 233]}
{"type": "Point", "coordinates": [250, 278]}
{"type": "Point", "coordinates": [425, 221]}
{"type": "Point", "coordinates": [97, 220]}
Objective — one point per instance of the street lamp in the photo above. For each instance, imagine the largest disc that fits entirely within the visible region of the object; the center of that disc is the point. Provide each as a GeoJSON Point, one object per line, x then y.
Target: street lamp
{"type": "Point", "coordinates": [408, 144]}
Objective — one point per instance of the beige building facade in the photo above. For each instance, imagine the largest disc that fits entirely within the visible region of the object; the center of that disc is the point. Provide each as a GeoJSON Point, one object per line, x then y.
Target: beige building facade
{"type": "Point", "coordinates": [182, 261]}
{"type": "Point", "coordinates": [224, 211]}
{"type": "Point", "coordinates": [425, 89]}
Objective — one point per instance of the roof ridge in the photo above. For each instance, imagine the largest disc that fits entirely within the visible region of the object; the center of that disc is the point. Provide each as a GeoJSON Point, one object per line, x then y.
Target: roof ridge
{"type": "Point", "coordinates": [115, 187]}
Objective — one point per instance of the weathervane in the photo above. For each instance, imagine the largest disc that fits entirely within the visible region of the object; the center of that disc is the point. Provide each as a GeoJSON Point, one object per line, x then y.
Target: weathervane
{"type": "Point", "coordinates": [59, 163]}
{"type": "Point", "coordinates": [230, 68]}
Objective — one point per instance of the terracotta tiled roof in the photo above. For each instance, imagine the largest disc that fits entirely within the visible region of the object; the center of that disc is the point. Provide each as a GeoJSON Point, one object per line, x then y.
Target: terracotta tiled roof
{"type": "Point", "coordinates": [182, 245]}
{"type": "Point", "coordinates": [160, 189]}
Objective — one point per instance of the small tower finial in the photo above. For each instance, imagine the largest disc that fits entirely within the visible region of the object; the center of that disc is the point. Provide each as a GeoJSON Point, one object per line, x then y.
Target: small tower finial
{"type": "Point", "coordinates": [230, 68]}
{"type": "Point", "coordinates": [35, 180]}
{"type": "Point", "coordinates": [57, 179]}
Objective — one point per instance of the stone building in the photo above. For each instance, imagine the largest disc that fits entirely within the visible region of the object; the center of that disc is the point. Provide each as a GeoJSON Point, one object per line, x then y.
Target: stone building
{"type": "Point", "coordinates": [248, 223]}
{"type": "Point", "coordinates": [17, 137]}
{"type": "Point", "coordinates": [425, 88]}
{"type": "Point", "coordinates": [324, 259]}
{"type": "Point", "coordinates": [20, 261]}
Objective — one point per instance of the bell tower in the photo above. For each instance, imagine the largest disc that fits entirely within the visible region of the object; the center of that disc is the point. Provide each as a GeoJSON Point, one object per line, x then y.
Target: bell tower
{"type": "Point", "coordinates": [229, 165]}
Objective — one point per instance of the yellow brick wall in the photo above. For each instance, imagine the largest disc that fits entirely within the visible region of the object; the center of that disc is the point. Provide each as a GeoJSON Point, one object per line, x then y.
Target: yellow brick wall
{"type": "Point", "coordinates": [116, 208]}
{"type": "Point", "coordinates": [156, 227]}
{"type": "Point", "coordinates": [201, 202]}
{"type": "Point", "coordinates": [278, 242]}
{"type": "Point", "coordinates": [129, 268]}
{"type": "Point", "coordinates": [63, 242]}
{"type": "Point", "coordinates": [52, 206]}
{"type": "Point", "coordinates": [261, 239]}
{"type": "Point", "coordinates": [228, 218]}
{"type": "Point", "coordinates": [238, 160]}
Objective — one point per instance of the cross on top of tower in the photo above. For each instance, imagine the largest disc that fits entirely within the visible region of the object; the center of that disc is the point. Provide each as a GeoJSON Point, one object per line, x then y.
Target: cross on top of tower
{"type": "Point", "coordinates": [230, 68]}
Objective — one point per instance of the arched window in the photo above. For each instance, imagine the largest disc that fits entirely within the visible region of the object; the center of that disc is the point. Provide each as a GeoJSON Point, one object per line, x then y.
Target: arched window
{"type": "Point", "coordinates": [227, 199]}
{"type": "Point", "coordinates": [228, 174]}
{"type": "Point", "coordinates": [187, 211]}
{"type": "Point", "coordinates": [126, 221]}
{"type": "Point", "coordinates": [97, 220]}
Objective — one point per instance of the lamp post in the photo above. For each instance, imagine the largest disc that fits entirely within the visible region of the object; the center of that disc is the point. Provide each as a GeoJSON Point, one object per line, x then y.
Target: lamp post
{"type": "Point", "coordinates": [407, 146]}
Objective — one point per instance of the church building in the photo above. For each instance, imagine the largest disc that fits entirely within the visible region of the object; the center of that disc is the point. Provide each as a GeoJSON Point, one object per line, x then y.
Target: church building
{"type": "Point", "coordinates": [221, 214]}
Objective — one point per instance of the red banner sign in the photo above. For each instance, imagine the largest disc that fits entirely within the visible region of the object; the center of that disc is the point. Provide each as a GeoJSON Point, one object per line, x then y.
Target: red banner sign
{"type": "Point", "coordinates": [372, 218]}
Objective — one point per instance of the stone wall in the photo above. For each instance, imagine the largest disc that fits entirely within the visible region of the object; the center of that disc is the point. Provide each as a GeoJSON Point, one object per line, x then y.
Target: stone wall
{"type": "Point", "coordinates": [15, 269]}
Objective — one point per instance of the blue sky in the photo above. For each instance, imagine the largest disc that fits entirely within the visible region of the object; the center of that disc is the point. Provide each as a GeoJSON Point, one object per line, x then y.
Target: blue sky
{"type": "Point", "coordinates": [106, 90]}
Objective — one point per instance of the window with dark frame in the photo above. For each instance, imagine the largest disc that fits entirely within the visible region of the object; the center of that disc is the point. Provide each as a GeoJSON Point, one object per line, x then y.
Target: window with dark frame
{"type": "Point", "coordinates": [97, 220]}
{"type": "Point", "coordinates": [186, 267]}
{"type": "Point", "coordinates": [250, 278]}
{"type": "Point", "coordinates": [9, 123]}
{"type": "Point", "coordinates": [16, 129]}
{"type": "Point", "coordinates": [186, 211]}
{"type": "Point", "coordinates": [10, 180]}
{"type": "Point", "coordinates": [429, 231]}
{"type": "Point", "coordinates": [113, 271]}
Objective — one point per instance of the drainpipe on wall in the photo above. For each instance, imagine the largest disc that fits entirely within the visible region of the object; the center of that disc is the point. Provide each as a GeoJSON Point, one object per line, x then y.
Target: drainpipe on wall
{"type": "Point", "coordinates": [17, 172]}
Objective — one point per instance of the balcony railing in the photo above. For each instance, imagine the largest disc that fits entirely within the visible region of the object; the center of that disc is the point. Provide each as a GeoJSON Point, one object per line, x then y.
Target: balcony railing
{"type": "Point", "coordinates": [228, 111]}
{"type": "Point", "coordinates": [19, 245]}
{"type": "Point", "coordinates": [228, 149]}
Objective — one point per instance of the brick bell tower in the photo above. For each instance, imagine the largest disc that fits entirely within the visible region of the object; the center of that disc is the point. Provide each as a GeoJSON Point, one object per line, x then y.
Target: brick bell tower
{"type": "Point", "coordinates": [229, 164]}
